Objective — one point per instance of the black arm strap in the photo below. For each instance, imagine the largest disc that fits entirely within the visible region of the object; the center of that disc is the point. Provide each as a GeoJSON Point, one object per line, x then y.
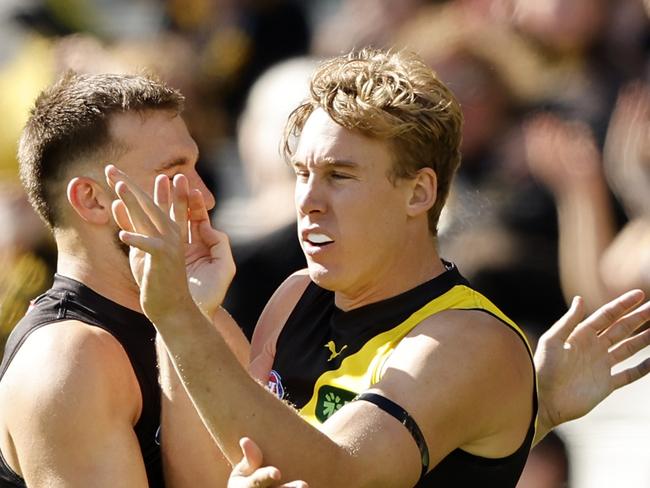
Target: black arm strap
{"type": "Point", "coordinates": [393, 409]}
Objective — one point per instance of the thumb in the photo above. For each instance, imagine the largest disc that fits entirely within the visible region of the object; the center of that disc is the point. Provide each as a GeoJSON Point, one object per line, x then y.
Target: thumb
{"type": "Point", "coordinates": [563, 328]}
{"type": "Point", "coordinates": [252, 457]}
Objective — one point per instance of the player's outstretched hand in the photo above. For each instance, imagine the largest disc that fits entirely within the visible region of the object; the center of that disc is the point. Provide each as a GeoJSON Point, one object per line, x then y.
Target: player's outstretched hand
{"type": "Point", "coordinates": [249, 473]}
{"type": "Point", "coordinates": [575, 357]}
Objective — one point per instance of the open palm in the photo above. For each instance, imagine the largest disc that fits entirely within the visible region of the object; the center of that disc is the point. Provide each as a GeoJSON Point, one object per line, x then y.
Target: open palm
{"type": "Point", "coordinates": [575, 357]}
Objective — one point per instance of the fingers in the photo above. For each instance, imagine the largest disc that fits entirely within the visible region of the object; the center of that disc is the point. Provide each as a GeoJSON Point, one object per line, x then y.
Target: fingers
{"type": "Point", "coordinates": [295, 484]}
{"type": "Point", "coordinates": [145, 214]}
{"type": "Point", "coordinates": [252, 456]}
{"type": "Point", "coordinates": [629, 347]}
{"type": "Point", "coordinates": [609, 313]}
{"type": "Point", "coordinates": [144, 243]}
{"type": "Point", "coordinates": [139, 219]}
{"type": "Point", "coordinates": [630, 375]}
{"type": "Point", "coordinates": [265, 477]}
{"type": "Point", "coordinates": [180, 195]}
{"type": "Point", "coordinates": [625, 326]}
{"type": "Point", "coordinates": [161, 193]}
{"type": "Point", "coordinates": [121, 216]}
{"type": "Point", "coordinates": [198, 210]}
{"type": "Point", "coordinates": [250, 467]}
{"type": "Point", "coordinates": [563, 328]}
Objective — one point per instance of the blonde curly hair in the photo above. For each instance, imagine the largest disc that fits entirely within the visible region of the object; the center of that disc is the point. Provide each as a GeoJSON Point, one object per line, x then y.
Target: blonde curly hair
{"type": "Point", "coordinates": [394, 96]}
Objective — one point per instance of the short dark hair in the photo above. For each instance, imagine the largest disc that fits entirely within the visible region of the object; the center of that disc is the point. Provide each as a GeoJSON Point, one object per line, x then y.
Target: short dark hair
{"type": "Point", "coordinates": [69, 123]}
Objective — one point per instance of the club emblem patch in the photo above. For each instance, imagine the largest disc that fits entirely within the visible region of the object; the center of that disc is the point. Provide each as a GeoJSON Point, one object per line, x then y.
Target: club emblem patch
{"type": "Point", "coordinates": [274, 384]}
{"type": "Point", "coordinates": [330, 400]}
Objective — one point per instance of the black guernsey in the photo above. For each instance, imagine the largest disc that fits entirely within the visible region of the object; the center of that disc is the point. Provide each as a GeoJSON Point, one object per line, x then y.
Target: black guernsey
{"type": "Point", "coordinates": [326, 357]}
{"type": "Point", "coordinates": [70, 300]}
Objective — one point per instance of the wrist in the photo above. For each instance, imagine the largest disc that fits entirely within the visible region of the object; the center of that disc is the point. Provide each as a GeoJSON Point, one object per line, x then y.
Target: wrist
{"type": "Point", "coordinates": [175, 312]}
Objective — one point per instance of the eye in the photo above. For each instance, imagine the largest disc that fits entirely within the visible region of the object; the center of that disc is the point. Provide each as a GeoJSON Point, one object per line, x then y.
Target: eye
{"type": "Point", "coordinates": [335, 175]}
{"type": "Point", "coordinates": [302, 174]}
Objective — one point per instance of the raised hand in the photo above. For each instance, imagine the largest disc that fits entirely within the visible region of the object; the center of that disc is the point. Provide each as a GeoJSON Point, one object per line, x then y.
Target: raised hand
{"type": "Point", "coordinates": [249, 473]}
{"type": "Point", "coordinates": [575, 357]}
{"type": "Point", "coordinates": [627, 149]}
{"type": "Point", "coordinates": [560, 154]}
{"type": "Point", "coordinates": [208, 260]}
{"type": "Point", "coordinates": [160, 272]}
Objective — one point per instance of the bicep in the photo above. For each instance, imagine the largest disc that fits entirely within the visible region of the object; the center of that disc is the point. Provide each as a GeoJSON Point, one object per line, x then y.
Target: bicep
{"type": "Point", "coordinates": [72, 402]}
{"type": "Point", "coordinates": [461, 393]}
{"type": "Point", "coordinates": [271, 321]}
{"type": "Point", "coordinates": [59, 452]}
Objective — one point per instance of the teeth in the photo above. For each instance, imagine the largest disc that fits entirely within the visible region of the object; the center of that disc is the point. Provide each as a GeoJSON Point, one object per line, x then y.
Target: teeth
{"type": "Point", "coordinates": [318, 238]}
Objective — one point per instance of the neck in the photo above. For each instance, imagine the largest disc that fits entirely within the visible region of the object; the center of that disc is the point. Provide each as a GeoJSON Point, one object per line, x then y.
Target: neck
{"type": "Point", "coordinates": [107, 273]}
{"type": "Point", "coordinates": [407, 271]}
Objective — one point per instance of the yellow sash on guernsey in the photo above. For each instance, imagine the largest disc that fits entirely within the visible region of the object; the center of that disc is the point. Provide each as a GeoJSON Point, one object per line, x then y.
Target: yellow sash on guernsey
{"type": "Point", "coordinates": [361, 370]}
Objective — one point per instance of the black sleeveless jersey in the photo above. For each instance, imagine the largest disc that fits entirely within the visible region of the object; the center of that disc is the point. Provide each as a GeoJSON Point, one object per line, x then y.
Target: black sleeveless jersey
{"type": "Point", "coordinates": [70, 300]}
{"type": "Point", "coordinates": [326, 357]}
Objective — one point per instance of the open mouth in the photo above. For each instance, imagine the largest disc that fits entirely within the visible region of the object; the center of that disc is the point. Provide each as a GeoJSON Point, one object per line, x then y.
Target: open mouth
{"type": "Point", "coordinates": [318, 239]}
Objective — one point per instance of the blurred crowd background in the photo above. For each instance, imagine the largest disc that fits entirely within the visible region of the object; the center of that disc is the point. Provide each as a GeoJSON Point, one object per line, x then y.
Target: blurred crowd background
{"type": "Point", "coordinates": [552, 198]}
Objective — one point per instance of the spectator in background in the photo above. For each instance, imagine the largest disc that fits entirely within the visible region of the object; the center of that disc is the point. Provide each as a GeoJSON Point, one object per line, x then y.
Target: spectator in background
{"type": "Point", "coordinates": [594, 257]}
{"type": "Point", "coordinates": [598, 258]}
{"type": "Point", "coordinates": [27, 256]}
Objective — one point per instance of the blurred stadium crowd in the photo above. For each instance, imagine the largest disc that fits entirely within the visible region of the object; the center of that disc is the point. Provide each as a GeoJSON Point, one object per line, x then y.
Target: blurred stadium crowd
{"type": "Point", "coordinates": [552, 198]}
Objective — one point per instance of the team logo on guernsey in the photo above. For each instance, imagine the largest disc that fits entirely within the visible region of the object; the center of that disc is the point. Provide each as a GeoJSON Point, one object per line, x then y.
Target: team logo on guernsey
{"type": "Point", "coordinates": [330, 400]}
{"type": "Point", "coordinates": [274, 384]}
{"type": "Point", "coordinates": [332, 348]}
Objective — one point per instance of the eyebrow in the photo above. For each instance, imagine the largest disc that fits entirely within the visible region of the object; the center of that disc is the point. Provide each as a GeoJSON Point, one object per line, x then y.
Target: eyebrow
{"type": "Point", "coordinates": [330, 162]}
{"type": "Point", "coordinates": [174, 163]}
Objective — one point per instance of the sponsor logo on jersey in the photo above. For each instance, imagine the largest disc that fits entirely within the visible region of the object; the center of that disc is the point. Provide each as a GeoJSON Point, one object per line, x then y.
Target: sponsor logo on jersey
{"type": "Point", "coordinates": [332, 348]}
{"type": "Point", "coordinates": [330, 400]}
{"type": "Point", "coordinates": [274, 384]}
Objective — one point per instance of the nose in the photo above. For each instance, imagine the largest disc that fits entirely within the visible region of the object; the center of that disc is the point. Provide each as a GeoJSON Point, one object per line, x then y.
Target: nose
{"type": "Point", "coordinates": [309, 196]}
{"type": "Point", "coordinates": [196, 182]}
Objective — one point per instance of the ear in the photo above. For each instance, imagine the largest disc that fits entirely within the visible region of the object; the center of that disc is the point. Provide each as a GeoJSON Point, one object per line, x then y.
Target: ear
{"type": "Point", "coordinates": [89, 200]}
{"type": "Point", "coordinates": [424, 189]}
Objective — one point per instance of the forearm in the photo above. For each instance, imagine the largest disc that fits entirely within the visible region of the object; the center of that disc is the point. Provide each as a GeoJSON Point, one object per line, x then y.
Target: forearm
{"type": "Point", "coordinates": [232, 405]}
{"type": "Point", "coordinates": [190, 455]}
{"type": "Point", "coordinates": [586, 229]}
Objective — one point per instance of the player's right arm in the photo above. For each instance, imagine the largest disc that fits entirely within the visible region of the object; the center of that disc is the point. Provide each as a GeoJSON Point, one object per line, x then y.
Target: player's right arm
{"type": "Point", "coordinates": [69, 401]}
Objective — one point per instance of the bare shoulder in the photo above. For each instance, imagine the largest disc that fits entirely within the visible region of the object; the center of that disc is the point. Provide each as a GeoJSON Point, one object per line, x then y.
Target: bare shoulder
{"type": "Point", "coordinates": [71, 385]}
{"type": "Point", "coordinates": [473, 366]}
{"type": "Point", "coordinates": [69, 365]}
{"type": "Point", "coordinates": [272, 320]}
{"type": "Point", "coordinates": [277, 310]}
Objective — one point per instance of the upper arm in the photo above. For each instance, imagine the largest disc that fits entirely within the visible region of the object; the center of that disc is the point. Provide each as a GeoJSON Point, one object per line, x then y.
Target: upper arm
{"type": "Point", "coordinates": [272, 320]}
{"type": "Point", "coordinates": [468, 386]}
{"type": "Point", "coordinates": [70, 400]}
